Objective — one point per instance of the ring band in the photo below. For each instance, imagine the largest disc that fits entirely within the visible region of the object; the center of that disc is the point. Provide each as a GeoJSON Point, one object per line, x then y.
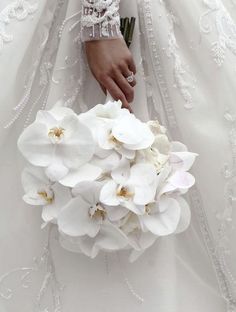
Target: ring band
{"type": "Point", "coordinates": [130, 78]}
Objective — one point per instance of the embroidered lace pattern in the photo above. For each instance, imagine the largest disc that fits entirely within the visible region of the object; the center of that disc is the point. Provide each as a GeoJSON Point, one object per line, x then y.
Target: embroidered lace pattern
{"type": "Point", "coordinates": [184, 80]}
{"type": "Point", "coordinates": [100, 19]}
{"type": "Point", "coordinates": [17, 10]}
{"type": "Point", "coordinates": [218, 17]}
{"type": "Point", "coordinates": [217, 256]}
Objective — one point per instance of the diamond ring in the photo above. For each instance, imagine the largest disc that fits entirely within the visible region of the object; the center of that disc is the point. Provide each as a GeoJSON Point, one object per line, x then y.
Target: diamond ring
{"type": "Point", "coordinates": [130, 78]}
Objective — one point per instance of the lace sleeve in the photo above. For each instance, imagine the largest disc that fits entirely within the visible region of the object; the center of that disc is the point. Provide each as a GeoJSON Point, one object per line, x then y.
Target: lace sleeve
{"type": "Point", "coordinates": [100, 19]}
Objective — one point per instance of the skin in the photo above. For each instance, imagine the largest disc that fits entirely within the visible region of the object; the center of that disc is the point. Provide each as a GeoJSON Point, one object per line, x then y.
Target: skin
{"type": "Point", "coordinates": [111, 62]}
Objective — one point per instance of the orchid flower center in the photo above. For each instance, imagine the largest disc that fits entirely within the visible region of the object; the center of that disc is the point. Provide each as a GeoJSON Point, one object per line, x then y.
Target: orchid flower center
{"type": "Point", "coordinates": [151, 208]}
{"type": "Point", "coordinates": [56, 133]}
{"type": "Point", "coordinates": [97, 212]}
{"type": "Point", "coordinates": [47, 196]}
{"type": "Point", "coordinates": [124, 192]}
{"type": "Point", "coordinates": [114, 140]}
{"type": "Point", "coordinates": [148, 209]}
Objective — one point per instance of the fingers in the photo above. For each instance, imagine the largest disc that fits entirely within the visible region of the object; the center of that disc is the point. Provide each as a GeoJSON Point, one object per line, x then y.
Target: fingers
{"type": "Point", "coordinates": [127, 73]}
{"type": "Point", "coordinates": [116, 92]}
{"type": "Point", "coordinates": [132, 66]}
{"type": "Point", "coordinates": [124, 85]}
{"type": "Point", "coordinates": [103, 88]}
{"type": "Point", "coordinates": [120, 75]}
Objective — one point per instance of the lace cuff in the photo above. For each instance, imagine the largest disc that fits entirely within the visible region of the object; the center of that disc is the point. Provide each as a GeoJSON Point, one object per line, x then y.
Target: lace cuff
{"type": "Point", "coordinates": [100, 19]}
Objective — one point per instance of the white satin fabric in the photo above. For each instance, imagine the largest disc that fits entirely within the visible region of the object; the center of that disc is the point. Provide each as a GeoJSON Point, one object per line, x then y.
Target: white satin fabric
{"type": "Point", "coordinates": [185, 56]}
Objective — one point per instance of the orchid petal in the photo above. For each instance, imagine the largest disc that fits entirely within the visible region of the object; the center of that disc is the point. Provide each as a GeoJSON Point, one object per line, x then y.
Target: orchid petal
{"type": "Point", "coordinates": [78, 145]}
{"type": "Point", "coordinates": [108, 163]}
{"type": "Point", "coordinates": [132, 131]}
{"type": "Point", "coordinates": [137, 209]}
{"type": "Point", "coordinates": [33, 198]}
{"type": "Point", "coordinates": [56, 170]}
{"type": "Point", "coordinates": [61, 197]}
{"type": "Point", "coordinates": [33, 178]}
{"type": "Point", "coordinates": [142, 174]}
{"type": "Point", "coordinates": [46, 118]}
{"type": "Point", "coordinates": [74, 219]}
{"type": "Point", "coordinates": [162, 144]}
{"type": "Point", "coordinates": [59, 112]}
{"type": "Point", "coordinates": [108, 195]}
{"type": "Point", "coordinates": [87, 172]}
{"type": "Point", "coordinates": [110, 238]}
{"type": "Point", "coordinates": [185, 216]}
{"type": "Point", "coordinates": [121, 174]}
{"type": "Point", "coordinates": [144, 195]}
{"type": "Point", "coordinates": [116, 213]}
{"type": "Point", "coordinates": [181, 179]}
{"type": "Point", "coordinates": [89, 191]}
{"type": "Point", "coordinates": [35, 145]}
{"type": "Point", "coordinates": [182, 160]}
{"type": "Point", "coordinates": [165, 222]}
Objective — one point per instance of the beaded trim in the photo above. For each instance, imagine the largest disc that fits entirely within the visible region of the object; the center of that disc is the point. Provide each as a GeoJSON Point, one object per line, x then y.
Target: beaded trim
{"type": "Point", "coordinates": [100, 19]}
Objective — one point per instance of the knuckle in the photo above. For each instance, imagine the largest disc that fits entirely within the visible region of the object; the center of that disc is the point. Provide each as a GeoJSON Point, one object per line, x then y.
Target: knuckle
{"type": "Point", "coordinates": [128, 57]}
{"type": "Point", "coordinates": [122, 63]}
{"type": "Point", "coordinates": [130, 93]}
{"type": "Point", "coordinates": [114, 68]}
{"type": "Point", "coordinates": [102, 76]}
{"type": "Point", "coordinates": [118, 95]}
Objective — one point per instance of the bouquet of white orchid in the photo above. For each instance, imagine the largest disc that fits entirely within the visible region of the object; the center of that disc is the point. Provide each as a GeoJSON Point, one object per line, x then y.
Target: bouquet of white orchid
{"type": "Point", "coordinates": [107, 180]}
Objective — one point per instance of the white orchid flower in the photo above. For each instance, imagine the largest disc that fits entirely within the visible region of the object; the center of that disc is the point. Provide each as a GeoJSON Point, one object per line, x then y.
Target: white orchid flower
{"type": "Point", "coordinates": [84, 214]}
{"type": "Point", "coordinates": [180, 158]}
{"type": "Point", "coordinates": [179, 180]}
{"type": "Point", "coordinates": [116, 128]}
{"type": "Point", "coordinates": [130, 187]}
{"type": "Point", "coordinates": [107, 163]}
{"type": "Point", "coordinates": [127, 135]}
{"type": "Point", "coordinates": [58, 141]}
{"type": "Point", "coordinates": [109, 239]}
{"type": "Point", "coordinates": [157, 154]}
{"type": "Point", "coordinates": [39, 190]}
{"type": "Point", "coordinates": [108, 111]}
{"type": "Point", "coordinates": [96, 168]}
{"type": "Point", "coordinates": [100, 118]}
{"type": "Point", "coordinates": [86, 172]}
{"type": "Point", "coordinates": [156, 127]}
{"type": "Point", "coordinates": [161, 218]}
{"type": "Point", "coordinates": [139, 241]}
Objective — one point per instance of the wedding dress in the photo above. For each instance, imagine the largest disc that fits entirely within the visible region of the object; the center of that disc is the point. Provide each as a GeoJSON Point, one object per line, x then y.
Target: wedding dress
{"type": "Point", "coordinates": [185, 53]}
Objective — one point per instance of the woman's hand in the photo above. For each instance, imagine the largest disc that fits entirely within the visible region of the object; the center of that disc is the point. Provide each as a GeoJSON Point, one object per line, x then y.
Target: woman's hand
{"type": "Point", "coordinates": [111, 63]}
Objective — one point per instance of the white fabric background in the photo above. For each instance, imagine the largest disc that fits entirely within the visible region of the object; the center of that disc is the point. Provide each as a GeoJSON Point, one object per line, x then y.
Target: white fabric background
{"type": "Point", "coordinates": [178, 274]}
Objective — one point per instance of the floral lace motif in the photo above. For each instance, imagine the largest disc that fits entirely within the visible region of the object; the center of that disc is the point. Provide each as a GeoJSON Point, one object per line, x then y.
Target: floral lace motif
{"type": "Point", "coordinates": [183, 79]}
{"type": "Point", "coordinates": [43, 263]}
{"type": "Point", "coordinates": [225, 27]}
{"type": "Point", "coordinates": [100, 19]}
{"type": "Point", "coordinates": [18, 10]}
